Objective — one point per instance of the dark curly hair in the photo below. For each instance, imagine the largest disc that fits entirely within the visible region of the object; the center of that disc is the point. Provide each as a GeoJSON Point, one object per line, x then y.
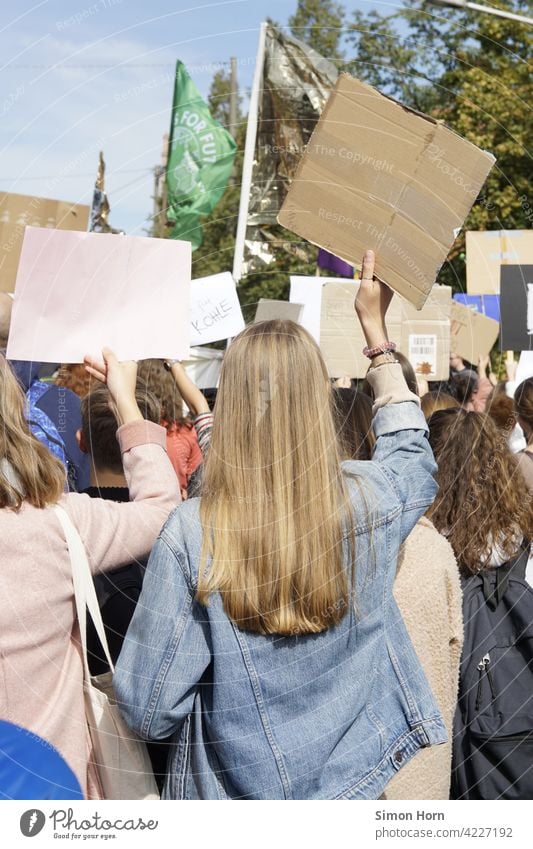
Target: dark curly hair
{"type": "Point", "coordinates": [483, 500]}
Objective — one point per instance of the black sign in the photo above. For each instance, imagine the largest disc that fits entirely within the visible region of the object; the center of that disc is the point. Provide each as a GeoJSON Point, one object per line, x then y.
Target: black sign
{"type": "Point", "coordinates": [516, 307]}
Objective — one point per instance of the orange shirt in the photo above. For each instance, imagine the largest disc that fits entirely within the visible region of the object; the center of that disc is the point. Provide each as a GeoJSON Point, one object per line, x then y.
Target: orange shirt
{"type": "Point", "coordinates": [183, 450]}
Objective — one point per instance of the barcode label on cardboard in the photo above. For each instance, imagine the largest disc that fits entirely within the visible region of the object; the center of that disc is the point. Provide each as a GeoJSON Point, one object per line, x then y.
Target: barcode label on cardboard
{"type": "Point", "coordinates": [423, 354]}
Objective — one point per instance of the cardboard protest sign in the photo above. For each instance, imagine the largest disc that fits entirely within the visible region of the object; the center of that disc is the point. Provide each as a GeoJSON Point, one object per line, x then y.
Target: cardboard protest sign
{"type": "Point", "coordinates": [516, 303]}
{"type": "Point", "coordinates": [268, 310]}
{"type": "Point", "coordinates": [329, 315]}
{"type": "Point", "coordinates": [215, 310]}
{"type": "Point", "coordinates": [488, 250]}
{"type": "Point", "coordinates": [488, 305]}
{"type": "Point", "coordinates": [472, 335]}
{"type": "Point", "coordinates": [79, 292]}
{"type": "Point", "coordinates": [18, 211]}
{"type": "Point", "coordinates": [379, 175]}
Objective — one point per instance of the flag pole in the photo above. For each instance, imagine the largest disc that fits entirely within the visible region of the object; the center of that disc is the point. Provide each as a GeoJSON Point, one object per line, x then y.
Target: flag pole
{"type": "Point", "coordinates": [249, 150]}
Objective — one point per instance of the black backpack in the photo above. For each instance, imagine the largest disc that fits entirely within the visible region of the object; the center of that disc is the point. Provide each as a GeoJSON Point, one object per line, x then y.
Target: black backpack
{"type": "Point", "coordinates": [493, 725]}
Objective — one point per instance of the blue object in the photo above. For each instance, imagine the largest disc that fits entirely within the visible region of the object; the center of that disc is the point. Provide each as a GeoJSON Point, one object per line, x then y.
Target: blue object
{"type": "Point", "coordinates": [30, 768]}
{"type": "Point", "coordinates": [488, 305]}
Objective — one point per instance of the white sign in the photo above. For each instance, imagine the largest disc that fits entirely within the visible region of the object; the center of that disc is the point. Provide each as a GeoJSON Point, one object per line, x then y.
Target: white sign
{"type": "Point", "coordinates": [215, 310]}
{"type": "Point", "coordinates": [307, 291]}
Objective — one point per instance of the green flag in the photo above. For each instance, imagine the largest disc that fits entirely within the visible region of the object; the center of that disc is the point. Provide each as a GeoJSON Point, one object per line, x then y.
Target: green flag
{"type": "Point", "coordinates": [200, 160]}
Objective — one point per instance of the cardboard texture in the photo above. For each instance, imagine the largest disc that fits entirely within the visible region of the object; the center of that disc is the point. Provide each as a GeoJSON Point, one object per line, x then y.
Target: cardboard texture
{"type": "Point", "coordinates": [215, 309]}
{"type": "Point", "coordinates": [17, 211]}
{"type": "Point", "coordinates": [328, 314]}
{"type": "Point", "coordinates": [488, 250]}
{"type": "Point", "coordinates": [267, 310]}
{"type": "Point", "coordinates": [79, 292]}
{"type": "Point", "coordinates": [516, 307]}
{"type": "Point", "coordinates": [472, 335]}
{"type": "Point", "coordinates": [379, 175]}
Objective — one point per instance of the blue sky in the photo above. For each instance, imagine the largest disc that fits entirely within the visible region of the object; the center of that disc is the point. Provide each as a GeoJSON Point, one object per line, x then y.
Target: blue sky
{"type": "Point", "coordinates": [85, 75]}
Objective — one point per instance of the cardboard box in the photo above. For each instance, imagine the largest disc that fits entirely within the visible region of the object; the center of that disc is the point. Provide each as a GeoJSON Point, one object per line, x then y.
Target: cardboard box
{"type": "Point", "coordinates": [267, 310]}
{"type": "Point", "coordinates": [516, 307]}
{"type": "Point", "coordinates": [328, 314]}
{"type": "Point", "coordinates": [488, 250]}
{"type": "Point", "coordinates": [379, 175]}
{"type": "Point", "coordinates": [472, 335]}
{"type": "Point", "coordinates": [18, 211]}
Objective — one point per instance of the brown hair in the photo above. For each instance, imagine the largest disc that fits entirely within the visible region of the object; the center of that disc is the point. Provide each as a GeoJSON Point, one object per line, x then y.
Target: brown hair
{"type": "Point", "coordinates": [41, 475]}
{"type": "Point", "coordinates": [502, 411]}
{"type": "Point", "coordinates": [161, 384]}
{"type": "Point", "coordinates": [483, 501]}
{"type": "Point", "coordinates": [432, 402]}
{"type": "Point", "coordinates": [274, 509]}
{"type": "Point", "coordinates": [523, 399]}
{"type": "Point", "coordinates": [353, 419]}
{"type": "Point", "coordinates": [99, 425]}
{"type": "Point", "coordinates": [74, 376]}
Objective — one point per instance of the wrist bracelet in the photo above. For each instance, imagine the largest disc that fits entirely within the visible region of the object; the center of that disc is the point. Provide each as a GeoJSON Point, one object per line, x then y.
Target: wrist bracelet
{"type": "Point", "coordinates": [169, 363]}
{"type": "Point", "coordinates": [383, 348]}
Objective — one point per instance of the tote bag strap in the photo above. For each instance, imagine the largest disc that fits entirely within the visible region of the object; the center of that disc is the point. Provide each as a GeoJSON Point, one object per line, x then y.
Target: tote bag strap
{"type": "Point", "coordinates": [84, 591]}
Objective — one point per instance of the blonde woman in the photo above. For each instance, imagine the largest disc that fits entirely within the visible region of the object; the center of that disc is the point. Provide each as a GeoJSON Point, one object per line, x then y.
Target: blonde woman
{"type": "Point", "coordinates": [266, 639]}
{"type": "Point", "coordinates": [41, 675]}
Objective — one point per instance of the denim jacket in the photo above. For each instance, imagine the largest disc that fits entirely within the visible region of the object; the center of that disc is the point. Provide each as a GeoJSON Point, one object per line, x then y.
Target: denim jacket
{"type": "Point", "coordinates": [324, 716]}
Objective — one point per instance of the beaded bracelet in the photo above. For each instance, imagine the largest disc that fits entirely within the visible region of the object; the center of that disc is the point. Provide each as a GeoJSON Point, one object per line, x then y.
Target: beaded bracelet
{"type": "Point", "coordinates": [384, 348]}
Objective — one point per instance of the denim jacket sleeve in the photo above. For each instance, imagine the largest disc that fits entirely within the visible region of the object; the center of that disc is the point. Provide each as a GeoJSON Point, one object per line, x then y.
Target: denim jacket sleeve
{"type": "Point", "coordinates": [405, 459]}
{"type": "Point", "coordinates": [165, 652]}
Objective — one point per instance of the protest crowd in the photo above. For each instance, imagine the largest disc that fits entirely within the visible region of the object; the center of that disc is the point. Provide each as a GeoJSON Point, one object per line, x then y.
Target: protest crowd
{"type": "Point", "coordinates": [281, 582]}
{"type": "Point", "coordinates": [310, 575]}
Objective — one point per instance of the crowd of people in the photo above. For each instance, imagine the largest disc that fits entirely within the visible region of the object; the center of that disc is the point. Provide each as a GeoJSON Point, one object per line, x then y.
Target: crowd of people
{"type": "Point", "coordinates": [292, 585]}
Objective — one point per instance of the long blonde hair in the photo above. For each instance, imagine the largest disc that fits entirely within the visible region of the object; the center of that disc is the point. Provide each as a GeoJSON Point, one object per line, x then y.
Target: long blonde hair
{"type": "Point", "coordinates": [275, 512]}
{"type": "Point", "coordinates": [40, 476]}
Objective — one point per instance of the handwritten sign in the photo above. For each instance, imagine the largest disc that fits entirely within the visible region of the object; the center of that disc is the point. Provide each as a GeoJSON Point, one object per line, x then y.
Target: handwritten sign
{"type": "Point", "coordinates": [215, 310]}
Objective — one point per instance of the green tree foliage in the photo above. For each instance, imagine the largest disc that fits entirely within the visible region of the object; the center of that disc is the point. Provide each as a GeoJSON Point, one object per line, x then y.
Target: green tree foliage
{"type": "Point", "coordinates": [470, 70]}
{"type": "Point", "coordinates": [319, 23]}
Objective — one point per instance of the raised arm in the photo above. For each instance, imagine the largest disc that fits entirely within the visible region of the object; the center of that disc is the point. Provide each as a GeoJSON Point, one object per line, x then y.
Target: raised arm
{"type": "Point", "coordinates": [117, 533]}
{"type": "Point", "coordinates": [402, 450]}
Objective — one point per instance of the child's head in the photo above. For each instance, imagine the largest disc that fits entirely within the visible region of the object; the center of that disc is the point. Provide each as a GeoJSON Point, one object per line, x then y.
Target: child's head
{"type": "Point", "coordinates": [99, 426]}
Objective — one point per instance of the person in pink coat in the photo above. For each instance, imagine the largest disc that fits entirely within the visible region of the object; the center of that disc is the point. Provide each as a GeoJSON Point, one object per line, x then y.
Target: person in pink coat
{"type": "Point", "coordinates": [41, 675]}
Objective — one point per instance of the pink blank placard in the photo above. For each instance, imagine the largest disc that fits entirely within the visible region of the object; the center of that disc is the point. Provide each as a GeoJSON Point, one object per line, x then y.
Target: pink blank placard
{"type": "Point", "coordinates": [79, 292]}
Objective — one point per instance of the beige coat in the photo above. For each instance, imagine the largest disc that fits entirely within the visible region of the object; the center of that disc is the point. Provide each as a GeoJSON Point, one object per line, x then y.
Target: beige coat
{"type": "Point", "coordinates": [428, 592]}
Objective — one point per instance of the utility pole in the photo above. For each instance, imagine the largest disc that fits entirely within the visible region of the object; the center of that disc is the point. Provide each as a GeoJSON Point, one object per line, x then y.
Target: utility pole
{"type": "Point", "coordinates": [234, 94]}
{"type": "Point", "coordinates": [477, 7]}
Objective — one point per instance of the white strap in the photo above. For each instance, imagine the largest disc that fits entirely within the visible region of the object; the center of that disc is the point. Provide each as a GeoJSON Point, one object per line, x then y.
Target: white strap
{"type": "Point", "coordinates": [84, 591]}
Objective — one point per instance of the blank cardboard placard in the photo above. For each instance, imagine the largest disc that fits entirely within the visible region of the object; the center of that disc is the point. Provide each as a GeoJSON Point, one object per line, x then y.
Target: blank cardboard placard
{"type": "Point", "coordinates": [269, 310]}
{"type": "Point", "coordinates": [378, 175]}
{"type": "Point", "coordinates": [328, 314]}
{"type": "Point", "coordinates": [79, 292]}
{"type": "Point", "coordinates": [19, 211]}
{"type": "Point", "coordinates": [472, 335]}
{"type": "Point", "coordinates": [487, 251]}
{"type": "Point", "coordinates": [516, 307]}
{"type": "Point", "coordinates": [215, 310]}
